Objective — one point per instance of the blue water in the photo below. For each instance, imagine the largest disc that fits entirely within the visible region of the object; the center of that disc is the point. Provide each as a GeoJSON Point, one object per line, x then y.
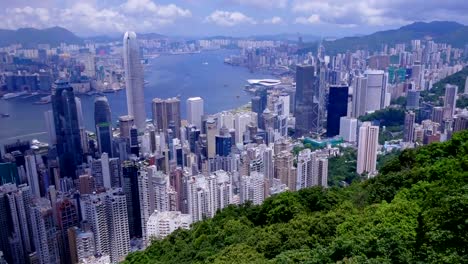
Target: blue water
{"type": "Point", "coordinates": [188, 75]}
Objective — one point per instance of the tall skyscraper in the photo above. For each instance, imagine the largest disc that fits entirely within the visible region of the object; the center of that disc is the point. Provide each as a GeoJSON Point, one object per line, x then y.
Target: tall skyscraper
{"type": "Point", "coordinates": [223, 142]}
{"type": "Point", "coordinates": [408, 130]}
{"type": "Point", "coordinates": [450, 100]}
{"type": "Point", "coordinates": [348, 129]}
{"type": "Point", "coordinates": [67, 129]}
{"type": "Point", "coordinates": [103, 123]}
{"type": "Point", "coordinates": [131, 190]}
{"type": "Point", "coordinates": [67, 217]}
{"type": "Point", "coordinates": [134, 80]}
{"type": "Point", "coordinates": [307, 108]}
{"type": "Point", "coordinates": [336, 108]}
{"type": "Point", "coordinates": [166, 112]}
{"type": "Point", "coordinates": [376, 90]}
{"type": "Point", "coordinates": [284, 169]}
{"type": "Point", "coordinates": [125, 124]}
{"type": "Point", "coordinates": [367, 149]}
{"type": "Point", "coordinates": [412, 99]}
{"type": "Point", "coordinates": [211, 130]}
{"type": "Point", "coordinates": [359, 96]}
{"type": "Point", "coordinates": [50, 125]}
{"type": "Point", "coordinates": [195, 111]}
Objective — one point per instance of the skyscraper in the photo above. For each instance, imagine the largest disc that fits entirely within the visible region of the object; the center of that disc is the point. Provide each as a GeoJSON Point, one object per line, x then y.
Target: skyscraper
{"type": "Point", "coordinates": [336, 108]}
{"type": "Point", "coordinates": [131, 190]}
{"type": "Point", "coordinates": [223, 142]}
{"type": "Point", "coordinates": [44, 232]}
{"type": "Point", "coordinates": [359, 96]}
{"type": "Point", "coordinates": [134, 80]}
{"type": "Point", "coordinates": [307, 108]}
{"type": "Point", "coordinates": [166, 112]}
{"type": "Point", "coordinates": [408, 130]}
{"type": "Point", "coordinates": [195, 111]}
{"type": "Point", "coordinates": [348, 129]}
{"type": "Point", "coordinates": [103, 123]}
{"type": "Point", "coordinates": [125, 124]}
{"type": "Point", "coordinates": [412, 99]}
{"type": "Point", "coordinates": [376, 90]}
{"type": "Point", "coordinates": [67, 129]}
{"type": "Point", "coordinates": [367, 149]}
{"type": "Point", "coordinates": [211, 137]}
{"type": "Point", "coordinates": [450, 100]}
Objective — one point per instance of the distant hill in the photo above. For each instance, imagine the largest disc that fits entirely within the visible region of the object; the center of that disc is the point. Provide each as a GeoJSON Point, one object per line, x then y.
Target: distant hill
{"type": "Point", "coordinates": [440, 31]}
{"type": "Point", "coordinates": [287, 37]}
{"type": "Point", "coordinates": [30, 37]}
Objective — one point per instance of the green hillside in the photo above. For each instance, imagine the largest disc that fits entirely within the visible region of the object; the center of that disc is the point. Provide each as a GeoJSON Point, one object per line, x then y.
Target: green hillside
{"type": "Point", "coordinates": [414, 211]}
{"type": "Point", "coordinates": [438, 89]}
{"type": "Point", "coordinates": [440, 31]}
{"type": "Point", "coordinates": [30, 37]}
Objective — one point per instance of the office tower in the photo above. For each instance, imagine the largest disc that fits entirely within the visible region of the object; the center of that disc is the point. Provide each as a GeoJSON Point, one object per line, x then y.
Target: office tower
{"type": "Point", "coordinates": [412, 99]}
{"type": "Point", "coordinates": [83, 135]}
{"type": "Point", "coordinates": [211, 131]}
{"type": "Point", "coordinates": [437, 114]}
{"type": "Point", "coordinates": [131, 190]}
{"type": "Point", "coordinates": [284, 169]}
{"type": "Point", "coordinates": [259, 104]}
{"type": "Point", "coordinates": [115, 170]}
{"type": "Point", "coordinates": [106, 213]}
{"type": "Point", "coordinates": [103, 123]}
{"type": "Point", "coordinates": [134, 146]}
{"type": "Point", "coordinates": [252, 188]}
{"type": "Point", "coordinates": [408, 130]}
{"type": "Point", "coordinates": [15, 222]}
{"type": "Point", "coordinates": [240, 124]}
{"type": "Point", "coordinates": [307, 108]}
{"type": "Point", "coordinates": [50, 126]}
{"type": "Point", "coordinates": [44, 232]}
{"type": "Point", "coordinates": [348, 129]}
{"type": "Point", "coordinates": [223, 142]}
{"type": "Point", "coordinates": [125, 124]}
{"type": "Point", "coordinates": [165, 112]}
{"type": "Point", "coordinates": [134, 80]}
{"type": "Point", "coordinates": [162, 224]}
{"type": "Point", "coordinates": [32, 175]}
{"type": "Point", "coordinates": [195, 111]}
{"type": "Point", "coordinates": [376, 90]}
{"type": "Point", "coordinates": [367, 149]}
{"type": "Point", "coordinates": [67, 129]}
{"type": "Point", "coordinates": [336, 108]}
{"type": "Point", "coordinates": [450, 100]}
{"type": "Point", "coordinates": [67, 217]}
{"type": "Point", "coordinates": [359, 96]}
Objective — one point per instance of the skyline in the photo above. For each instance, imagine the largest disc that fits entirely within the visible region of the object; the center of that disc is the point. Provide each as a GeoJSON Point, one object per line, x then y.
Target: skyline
{"type": "Point", "coordinates": [238, 17]}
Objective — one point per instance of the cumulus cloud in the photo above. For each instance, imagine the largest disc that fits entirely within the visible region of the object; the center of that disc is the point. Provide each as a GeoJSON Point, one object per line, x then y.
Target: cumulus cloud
{"type": "Point", "coordinates": [263, 3]}
{"type": "Point", "coordinates": [313, 19]}
{"type": "Point", "coordinates": [274, 20]}
{"type": "Point", "coordinates": [85, 17]}
{"type": "Point", "coordinates": [229, 19]}
{"type": "Point", "coordinates": [378, 13]}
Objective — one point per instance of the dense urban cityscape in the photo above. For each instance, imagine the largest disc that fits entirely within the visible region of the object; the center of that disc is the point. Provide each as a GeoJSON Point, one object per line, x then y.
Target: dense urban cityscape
{"type": "Point", "coordinates": [323, 118]}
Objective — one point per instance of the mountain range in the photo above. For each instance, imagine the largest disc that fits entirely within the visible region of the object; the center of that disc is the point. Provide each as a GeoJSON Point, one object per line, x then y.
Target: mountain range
{"type": "Point", "coordinates": [440, 31]}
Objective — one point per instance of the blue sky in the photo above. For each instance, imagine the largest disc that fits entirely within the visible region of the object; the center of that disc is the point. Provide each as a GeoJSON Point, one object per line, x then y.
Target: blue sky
{"type": "Point", "coordinates": [227, 17]}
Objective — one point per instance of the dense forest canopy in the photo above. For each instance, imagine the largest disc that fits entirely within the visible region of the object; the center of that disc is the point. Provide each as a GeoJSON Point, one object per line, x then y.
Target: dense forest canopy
{"type": "Point", "coordinates": [414, 211]}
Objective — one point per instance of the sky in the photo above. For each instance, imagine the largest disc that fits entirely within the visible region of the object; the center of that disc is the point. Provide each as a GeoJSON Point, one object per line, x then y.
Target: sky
{"type": "Point", "coordinates": [320, 18]}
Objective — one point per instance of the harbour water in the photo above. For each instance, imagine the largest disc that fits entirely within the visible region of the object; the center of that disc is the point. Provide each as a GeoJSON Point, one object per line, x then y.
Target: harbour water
{"type": "Point", "coordinates": [186, 75]}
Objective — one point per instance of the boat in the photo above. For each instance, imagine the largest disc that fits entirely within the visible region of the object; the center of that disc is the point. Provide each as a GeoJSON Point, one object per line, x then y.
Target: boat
{"type": "Point", "coordinates": [13, 95]}
{"type": "Point", "coordinates": [5, 115]}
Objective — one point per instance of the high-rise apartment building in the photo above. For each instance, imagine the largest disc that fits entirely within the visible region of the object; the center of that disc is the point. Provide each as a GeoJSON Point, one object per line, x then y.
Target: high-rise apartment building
{"type": "Point", "coordinates": [367, 149]}
{"type": "Point", "coordinates": [312, 169]}
{"type": "Point", "coordinates": [134, 80]}
{"type": "Point", "coordinates": [359, 96]}
{"type": "Point", "coordinates": [44, 232]}
{"type": "Point", "coordinates": [450, 100]}
{"type": "Point", "coordinates": [195, 111]}
{"type": "Point", "coordinates": [162, 224]}
{"type": "Point", "coordinates": [253, 188]}
{"type": "Point", "coordinates": [284, 169]}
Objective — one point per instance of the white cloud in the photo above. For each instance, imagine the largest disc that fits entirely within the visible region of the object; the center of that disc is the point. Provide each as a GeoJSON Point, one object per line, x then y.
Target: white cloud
{"type": "Point", "coordinates": [229, 19]}
{"type": "Point", "coordinates": [313, 19]}
{"type": "Point", "coordinates": [263, 3]}
{"type": "Point", "coordinates": [85, 17]}
{"type": "Point", "coordinates": [274, 20]}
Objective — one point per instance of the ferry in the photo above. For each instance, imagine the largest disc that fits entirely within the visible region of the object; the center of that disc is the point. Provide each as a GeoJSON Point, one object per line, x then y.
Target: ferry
{"type": "Point", "coordinates": [5, 115]}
